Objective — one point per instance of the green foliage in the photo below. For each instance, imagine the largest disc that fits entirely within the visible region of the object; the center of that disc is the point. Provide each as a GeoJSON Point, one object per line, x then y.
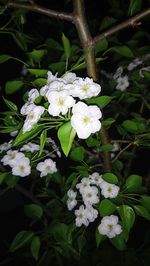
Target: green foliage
{"type": "Point", "coordinates": [110, 178]}
{"type": "Point", "coordinates": [13, 86]}
{"type": "Point", "coordinates": [106, 207]}
{"type": "Point", "coordinates": [21, 239]}
{"type": "Point", "coordinates": [33, 211]}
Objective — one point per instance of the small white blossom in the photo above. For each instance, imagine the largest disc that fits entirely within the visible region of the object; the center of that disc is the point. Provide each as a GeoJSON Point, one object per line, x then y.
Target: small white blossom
{"type": "Point", "coordinates": [118, 73]}
{"type": "Point", "coordinates": [69, 77]}
{"type": "Point", "coordinates": [96, 179]}
{"type": "Point", "coordinates": [90, 195]}
{"type": "Point", "coordinates": [122, 83]}
{"type": "Point", "coordinates": [32, 95]}
{"type": "Point", "coordinates": [71, 202]}
{"type": "Point", "coordinates": [22, 167]}
{"type": "Point", "coordinates": [109, 190]}
{"type": "Point", "coordinates": [12, 157]}
{"type": "Point", "coordinates": [33, 117]}
{"type": "Point", "coordinates": [51, 77]}
{"type": "Point", "coordinates": [134, 64]}
{"type": "Point", "coordinates": [56, 86]}
{"type": "Point", "coordinates": [109, 226]}
{"type": "Point", "coordinates": [85, 88]}
{"type": "Point", "coordinates": [30, 147]}
{"type": "Point", "coordinates": [27, 108]}
{"type": "Point", "coordinates": [91, 213]}
{"type": "Point", "coordinates": [60, 102]}
{"type": "Point", "coordinates": [46, 167]}
{"type": "Point", "coordinates": [81, 216]}
{"type": "Point", "coordinates": [44, 90]}
{"type": "Point", "coordinates": [5, 146]}
{"type": "Point", "coordinates": [143, 69]}
{"type": "Point", "coordinates": [85, 119]}
{"type": "Point", "coordinates": [85, 182]}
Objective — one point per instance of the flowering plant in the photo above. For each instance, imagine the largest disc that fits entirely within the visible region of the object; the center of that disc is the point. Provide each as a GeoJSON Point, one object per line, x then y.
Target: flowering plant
{"type": "Point", "coordinates": [71, 142]}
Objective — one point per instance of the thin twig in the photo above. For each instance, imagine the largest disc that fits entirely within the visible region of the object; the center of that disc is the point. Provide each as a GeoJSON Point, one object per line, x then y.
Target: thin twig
{"type": "Point", "coordinates": [95, 166]}
{"type": "Point", "coordinates": [42, 10]}
{"type": "Point", "coordinates": [120, 141]}
{"type": "Point", "coordinates": [119, 153]}
{"type": "Point", "coordinates": [131, 22]}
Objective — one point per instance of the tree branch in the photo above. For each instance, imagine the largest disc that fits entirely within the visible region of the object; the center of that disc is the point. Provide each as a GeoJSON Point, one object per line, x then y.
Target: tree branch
{"type": "Point", "coordinates": [86, 39]}
{"type": "Point", "coordinates": [131, 22]}
{"type": "Point", "coordinates": [45, 11]}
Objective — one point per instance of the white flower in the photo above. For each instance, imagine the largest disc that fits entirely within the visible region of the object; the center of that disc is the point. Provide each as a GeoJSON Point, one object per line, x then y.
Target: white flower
{"type": "Point", "coordinates": [71, 202]}
{"type": "Point", "coordinates": [30, 147]}
{"type": "Point", "coordinates": [109, 226]}
{"type": "Point", "coordinates": [91, 213]}
{"type": "Point", "coordinates": [22, 167]}
{"type": "Point", "coordinates": [60, 102]}
{"type": "Point", "coordinates": [51, 77]}
{"type": "Point", "coordinates": [96, 179]}
{"type": "Point", "coordinates": [85, 119]}
{"type": "Point", "coordinates": [44, 90]}
{"type": "Point", "coordinates": [46, 167]}
{"type": "Point", "coordinates": [5, 146]}
{"type": "Point", "coordinates": [89, 195]}
{"type": "Point", "coordinates": [118, 73]}
{"type": "Point", "coordinates": [109, 190]}
{"type": "Point", "coordinates": [14, 133]}
{"type": "Point", "coordinates": [33, 94]}
{"type": "Point", "coordinates": [85, 88]}
{"type": "Point", "coordinates": [115, 148]}
{"type": "Point", "coordinates": [69, 77]}
{"type": "Point", "coordinates": [134, 64]}
{"type": "Point", "coordinates": [27, 108]}
{"type": "Point", "coordinates": [122, 83]}
{"type": "Point", "coordinates": [81, 216]}
{"type": "Point", "coordinates": [56, 86]}
{"type": "Point", "coordinates": [33, 117]}
{"type": "Point", "coordinates": [12, 157]}
{"type": "Point", "coordinates": [85, 182]}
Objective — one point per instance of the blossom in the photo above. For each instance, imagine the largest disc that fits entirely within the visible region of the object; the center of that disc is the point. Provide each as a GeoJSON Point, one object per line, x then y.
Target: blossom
{"type": "Point", "coordinates": [33, 117]}
{"type": "Point", "coordinates": [85, 182]}
{"type": "Point", "coordinates": [5, 146]}
{"type": "Point", "coordinates": [71, 202]}
{"type": "Point", "coordinates": [32, 95]}
{"type": "Point", "coordinates": [56, 86]}
{"type": "Point", "coordinates": [60, 102]}
{"type": "Point", "coordinates": [85, 119]}
{"type": "Point", "coordinates": [91, 213]}
{"type": "Point", "coordinates": [96, 179]}
{"type": "Point", "coordinates": [14, 133]}
{"type": "Point", "coordinates": [143, 69]}
{"type": "Point", "coordinates": [122, 83]}
{"type": "Point", "coordinates": [109, 190]}
{"type": "Point", "coordinates": [30, 147]}
{"type": "Point", "coordinates": [85, 88]}
{"type": "Point", "coordinates": [109, 226]}
{"type": "Point", "coordinates": [51, 77]}
{"type": "Point", "coordinates": [69, 77]}
{"type": "Point", "coordinates": [46, 167]}
{"type": "Point", "coordinates": [27, 108]}
{"type": "Point", "coordinates": [81, 216]}
{"type": "Point", "coordinates": [22, 167]}
{"type": "Point", "coordinates": [89, 195]}
{"type": "Point", "coordinates": [118, 73]}
{"type": "Point", "coordinates": [12, 157]}
{"type": "Point", "coordinates": [134, 64]}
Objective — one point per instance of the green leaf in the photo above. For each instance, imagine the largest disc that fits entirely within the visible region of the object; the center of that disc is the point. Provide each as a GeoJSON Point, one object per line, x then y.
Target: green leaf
{"type": "Point", "coordinates": [122, 50]}
{"type": "Point", "coordinates": [145, 201]}
{"type": "Point", "coordinates": [130, 126]}
{"type": "Point", "coordinates": [39, 82]}
{"type": "Point", "coordinates": [21, 239]}
{"type": "Point", "coordinates": [118, 242]}
{"type": "Point", "coordinates": [99, 238]}
{"type": "Point", "coordinates": [42, 141]}
{"type": "Point", "coordinates": [92, 142]}
{"type": "Point", "coordinates": [37, 55]}
{"type": "Point", "coordinates": [13, 86]}
{"type": "Point", "coordinates": [53, 44]}
{"type": "Point", "coordinates": [127, 215]}
{"type": "Point", "coordinates": [66, 44]}
{"type": "Point", "coordinates": [2, 177]}
{"type": "Point", "coordinates": [10, 105]}
{"type": "Point", "coordinates": [4, 58]}
{"type": "Point", "coordinates": [66, 135]}
{"type": "Point", "coordinates": [33, 211]}
{"type": "Point", "coordinates": [106, 207]}
{"type": "Point", "coordinates": [77, 154]}
{"type": "Point", "coordinates": [134, 7]}
{"type": "Point", "coordinates": [35, 247]}
{"type": "Point", "coordinates": [101, 46]}
{"type": "Point", "coordinates": [22, 137]}
{"type": "Point", "coordinates": [106, 147]}
{"type": "Point", "coordinates": [133, 183]}
{"type": "Point", "coordinates": [110, 178]}
{"type": "Point", "coordinates": [108, 121]}
{"type": "Point", "coordinates": [38, 72]}
{"type": "Point", "coordinates": [141, 211]}
{"type": "Point", "coordinates": [101, 101]}
{"type": "Point", "coordinates": [11, 180]}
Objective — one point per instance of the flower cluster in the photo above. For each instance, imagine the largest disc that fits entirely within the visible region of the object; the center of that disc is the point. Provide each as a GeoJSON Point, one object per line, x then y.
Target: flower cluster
{"type": "Point", "coordinates": [62, 95]}
{"type": "Point", "coordinates": [21, 165]}
{"type": "Point", "coordinates": [89, 190]}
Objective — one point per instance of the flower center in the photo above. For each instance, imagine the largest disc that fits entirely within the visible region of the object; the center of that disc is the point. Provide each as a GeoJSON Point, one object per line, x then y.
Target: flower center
{"type": "Point", "coordinates": [85, 88]}
{"type": "Point", "coordinates": [48, 168]}
{"type": "Point", "coordinates": [61, 102]}
{"type": "Point", "coordinates": [110, 226]}
{"type": "Point", "coordinates": [31, 116]}
{"type": "Point", "coordinates": [21, 167]}
{"type": "Point", "coordinates": [89, 195]}
{"type": "Point", "coordinates": [109, 189]}
{"type": "Point", "coordinates": [86, 120]}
